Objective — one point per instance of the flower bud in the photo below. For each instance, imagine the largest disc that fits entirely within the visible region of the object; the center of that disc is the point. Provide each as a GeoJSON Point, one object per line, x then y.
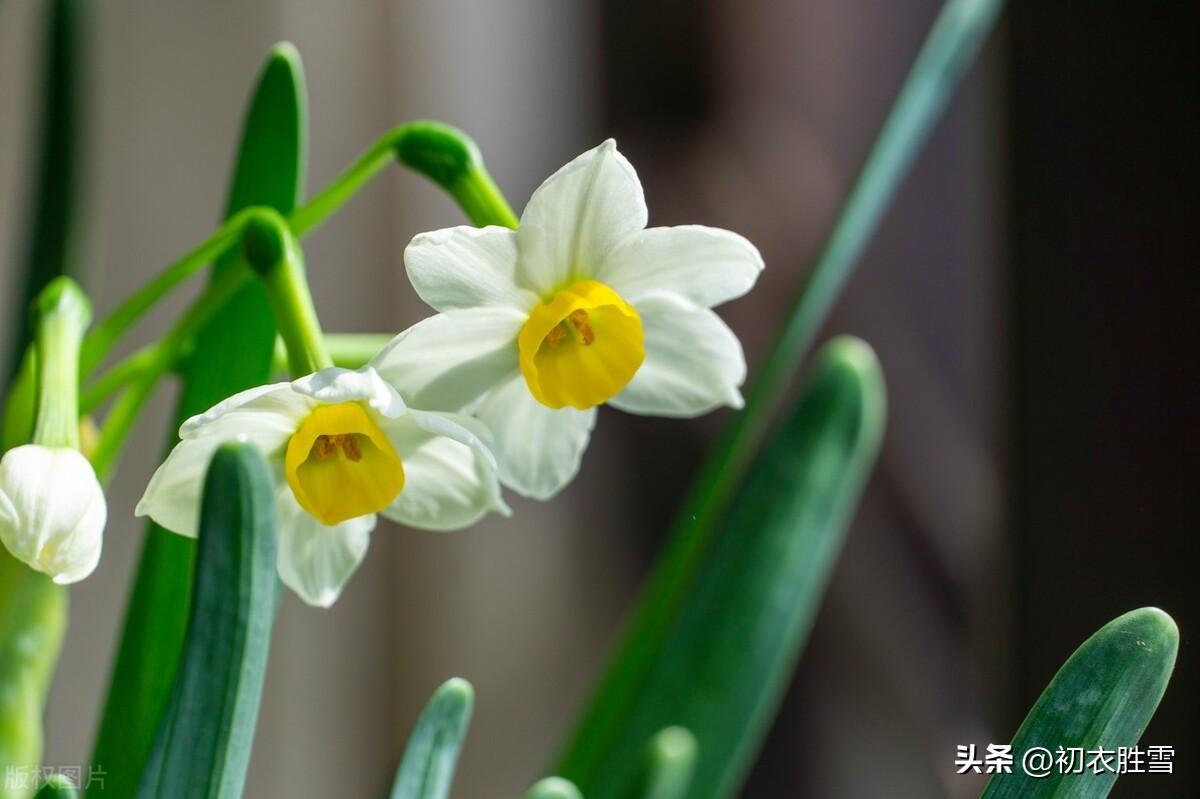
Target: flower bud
{"type": "Point", "coordinates": [52, 511]}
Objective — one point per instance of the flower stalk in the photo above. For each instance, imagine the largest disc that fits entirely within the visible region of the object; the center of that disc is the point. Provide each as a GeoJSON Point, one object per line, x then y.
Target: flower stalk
{"type": "Point", "coordinates": [274, 254]}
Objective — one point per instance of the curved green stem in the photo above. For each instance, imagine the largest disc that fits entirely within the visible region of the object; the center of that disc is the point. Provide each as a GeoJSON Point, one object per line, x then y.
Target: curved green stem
{"type": "Point", "coordinates": [106, 333]}
{"type": "Point", "coordinates": [444, 154]}
{"type": "Point", "coordinates": [155, 362]}
{"type": "Point", "coordinates": [125, 372]}
{"type": "Point", "coordinates": [347, 350]}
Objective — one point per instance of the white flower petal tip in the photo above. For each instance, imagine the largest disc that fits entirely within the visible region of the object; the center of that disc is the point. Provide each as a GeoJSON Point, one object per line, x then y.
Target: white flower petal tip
{"type": "Point", "coordinates": [705, 265]}
{"type": "Point", "coordinates": [333, 385]}
{"type": "Point", "coordinates": [316, 561]}
{"type": "Point", "coordinates": [466, 267]}
{"type": "Point", "coordinates": [694, 363]}
{"type": "Point", "coordinates": [52, 511]}
{"type": "Point", "coordinates": [450, 473]}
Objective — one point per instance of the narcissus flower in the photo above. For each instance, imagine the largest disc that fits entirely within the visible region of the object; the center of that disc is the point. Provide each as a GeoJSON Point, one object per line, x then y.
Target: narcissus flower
{"type": "Point", "coordinates": [52, 511]}
{"type": "Point", "coordinates": [578, 307]}
{"type": "Point", "coordinates": [345, 447]}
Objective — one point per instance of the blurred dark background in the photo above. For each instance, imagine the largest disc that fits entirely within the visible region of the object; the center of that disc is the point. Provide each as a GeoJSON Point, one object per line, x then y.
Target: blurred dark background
{"type": "Point", "coordinates": [1031, 295]}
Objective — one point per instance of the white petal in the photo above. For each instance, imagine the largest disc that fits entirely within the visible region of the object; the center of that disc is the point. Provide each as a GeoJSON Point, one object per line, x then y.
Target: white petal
{"type": "Point", "coordinates": [172, 498]}
{"type": "Point", "coordinates": [52, 511]}
{"type": "Point", "coordinates": [316, 561]}
{"type": "Point", "coordinates": [259, 412]}
{"type": "Point", "coordinates": [577, 217]}
{"type": "Point", "coordinates": [467, 267]}
{"type": "Point", "coordinates": [538, 449]}
{"type": "Point", "coordinates": [694, 362]}
{"type": "Point", "coordinates": [449, 475]}
{"type": "Point", "coordinates": [333, 385]}
{"type": "Point", "coordinates": [450, 360]}
{"type": "Point", "coordinates": [706, 265]}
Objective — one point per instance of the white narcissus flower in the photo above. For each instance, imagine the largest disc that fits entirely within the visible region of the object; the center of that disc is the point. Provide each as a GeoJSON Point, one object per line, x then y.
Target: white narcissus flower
{"type": "Point", "coordinates": [581, 305]}
{"type": "Point", "coordinates": [344, 447]}
{"type": "Point", "coordinates": [52, 511]}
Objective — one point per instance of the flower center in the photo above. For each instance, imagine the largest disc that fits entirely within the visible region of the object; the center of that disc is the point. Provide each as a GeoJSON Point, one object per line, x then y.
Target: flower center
{"type": "Point", "coordinates": [340, 465]}
{"type": "Point", "coordinates": [580, 347]}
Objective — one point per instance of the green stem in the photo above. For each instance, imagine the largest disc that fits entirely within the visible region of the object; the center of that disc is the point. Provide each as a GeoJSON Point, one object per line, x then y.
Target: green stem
{"type": "Point", "coordinates": [105, 334]}
{"type": "Point", "coordinates": [275, 255]}
{"type": "Point", "coordinates": [125, 372]}
{"type": "Point", "coordinates": [156, 361]}
{"type": "Point", "coordinates": [347, 350]}
{"type": "Point", "coordinates": [442, 153]}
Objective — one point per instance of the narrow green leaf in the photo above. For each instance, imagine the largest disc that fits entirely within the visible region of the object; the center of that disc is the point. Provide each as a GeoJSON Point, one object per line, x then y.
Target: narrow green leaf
{"type": "Point", "coordinates": [955, 37]}
{"type": "Point", "coordinates": [48, 250]}
{"type": "Point", "coordinates": [554, 788]}
{"type": "Point", "coordinates": [33, 610]}
{"type": "Point", "coordinates": [57, 786]}
{"type": "Point", "coordinates": [202, 748]}
{"type": "Point", "coordinates": [427, 770]}
{"type": "Point", "coordinates": [1102, 698]}
{"type": "Point", "coordinates": [750, 597]}
{"type": "Point", "coordinates": [667, 766]}
{"type": "Point", "coordinates": [270, 171]}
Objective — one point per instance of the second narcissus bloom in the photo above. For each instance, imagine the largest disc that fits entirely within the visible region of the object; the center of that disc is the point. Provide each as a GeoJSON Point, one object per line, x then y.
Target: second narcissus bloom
{"type": "Point", "coordinates": [582, 305]}
{"type": "Point", "coordinates": [345, 447]}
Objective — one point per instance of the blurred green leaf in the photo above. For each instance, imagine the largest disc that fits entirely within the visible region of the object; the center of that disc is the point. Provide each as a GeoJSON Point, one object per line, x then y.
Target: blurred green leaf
{"type": "Point", "coordinates": [48, 250]}
{"type": "Point", "coordinates": [1102, 698]}
{"type": "Point", "coordinates": [955, 37]}
{"type": "Point", "coordinates": [33, 610]}
{"type": "Point", "coordinates": [270, 171]}
{"type": "Point", "coordinates": [427, 770]}
{"type": "Point", "coordinates": [202, 748]}
{"type": "Point", "coordinates": [554, 788]}
{"type": "Point", "coordinates": [749, 598]}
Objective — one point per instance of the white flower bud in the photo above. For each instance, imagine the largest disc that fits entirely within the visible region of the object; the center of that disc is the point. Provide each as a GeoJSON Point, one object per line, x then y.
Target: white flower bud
{"type": "Point", "coordinates": [52, 511]}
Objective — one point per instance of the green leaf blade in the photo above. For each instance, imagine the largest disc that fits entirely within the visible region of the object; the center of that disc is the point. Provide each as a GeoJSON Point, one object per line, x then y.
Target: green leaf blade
{"type": "Point", "coordinates": [749, 598]}
{"type": "Point", "coordinates": [427, 769]}
{"type": "Point", "coordinates": [202, 748]}
{"type": "Point", "coordinates": [51, 230]}
{"type": "Point", "coordinates": [1102, 697]}
{"type": "Point", "coordinates": [270, 171]}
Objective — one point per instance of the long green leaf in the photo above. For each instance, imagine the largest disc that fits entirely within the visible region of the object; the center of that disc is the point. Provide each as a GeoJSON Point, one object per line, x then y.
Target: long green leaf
{"type": "Point", "coordinates": [956, 36]}
{"type": "Point", "coordinates": [202, 748]}
{"type": "Point", "coordinates": [1102, 698]}
{"type": "Point", "coordinates": [33, 610]}
{"type": "Point", "coordinates": [270, 171]}
{"type": "Point", "coordinates": [427, 770]}
{"type": "Point", "coordinates": [51, 229]}
{"type": "Point", "coordinates": [737, 629]}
